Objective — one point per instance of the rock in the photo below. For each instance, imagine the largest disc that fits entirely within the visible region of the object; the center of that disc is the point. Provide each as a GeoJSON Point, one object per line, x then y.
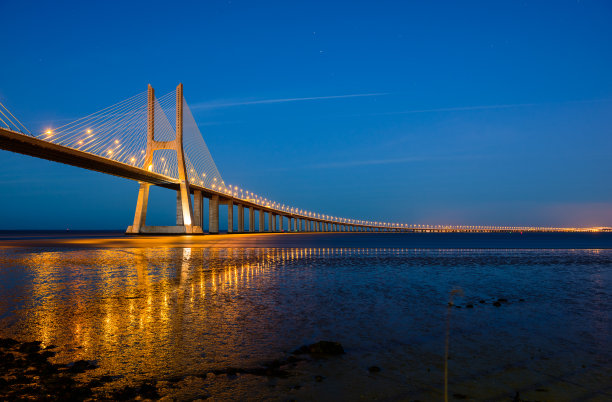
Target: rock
{"type": "Point", "coordinates": [497, 304]}
{"type": "Point", "coordinates": [30, 347]}
{"type": "Point", "coordinates": [149, 391]}
{"type": "Point", "coordinates": [81, 366]}
{"type": "Point", "coordinates": [47, 353]}
{"type": "Point", "coordinates": [469, 306]}
{"type": "Point", "coordinates": [125, 393]}
{"type": "Point", "coordinates": [374, 369]}
{"type": "Point", "coordinates": [7, 343]}
{"type": "Point", "coordinates": [321, 348]}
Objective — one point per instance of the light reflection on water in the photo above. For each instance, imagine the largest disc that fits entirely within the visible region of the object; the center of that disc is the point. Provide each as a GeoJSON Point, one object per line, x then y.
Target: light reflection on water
{"type": "Point", "coordinates": [158, 312]}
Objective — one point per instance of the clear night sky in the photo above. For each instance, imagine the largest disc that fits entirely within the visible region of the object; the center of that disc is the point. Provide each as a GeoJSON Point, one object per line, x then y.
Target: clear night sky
{"type": "Point", "coordinates": [472, 112]}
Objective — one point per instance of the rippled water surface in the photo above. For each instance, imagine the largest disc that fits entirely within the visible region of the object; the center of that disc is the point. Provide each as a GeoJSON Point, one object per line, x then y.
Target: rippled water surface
{"type": "Point", "coordinates": [160, 312]}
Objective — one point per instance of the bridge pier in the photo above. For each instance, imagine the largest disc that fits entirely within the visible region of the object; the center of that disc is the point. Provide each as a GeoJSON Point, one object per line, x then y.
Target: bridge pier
{"type": "Point", "coordinates": [230, 216]}
{"type": "Point", "coordinates": [251, 219]}
{"type": "Point", "coordinates": [198, 208]}
{"type": "Point", "coordinates": [270, 225]}
{"type": "Point", "coordinates": [261, 221]}
{"type": "Point", "coordinates": [179, 209]}
{"type": "Point", "coordinates": [184, 216]}
{"type": "Point", "coordinates": [240, 218]}
{"type": "Point", "coordinates": [140, 216]}
{"type": "Point", "coordinates": [213, 214]}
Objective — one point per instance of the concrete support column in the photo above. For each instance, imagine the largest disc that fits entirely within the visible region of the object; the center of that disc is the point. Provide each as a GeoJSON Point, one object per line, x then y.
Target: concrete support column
{"type": "Point", "coordinates": [261, 220]}
{"type": "Point", "coordinates": [197, 208]}
{"type": "Point", "coordinates": [179, 209]}
{"type": "Point", "coordinates": [291, 224]}
{"type": "Point", "coordinates": [270, 224]}
{"type": "Point", "coordinates": [240, 218]}
{"type": "Point", "coordinates": [213, 214]}
{"type": "Point", "coordinates": [273, 219]}
{"type": "Point", "coordinates": [251, 219]}
{"type": "Point", "coordinates": [230, 216]}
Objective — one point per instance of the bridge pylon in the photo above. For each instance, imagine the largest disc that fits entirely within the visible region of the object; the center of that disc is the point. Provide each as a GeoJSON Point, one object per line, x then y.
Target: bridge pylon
{"type": "Point", "coordinates": [184, 209]}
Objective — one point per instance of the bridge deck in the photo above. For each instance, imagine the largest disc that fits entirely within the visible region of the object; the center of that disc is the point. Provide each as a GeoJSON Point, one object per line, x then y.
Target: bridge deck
{"type": "Point", "coordinates": [27, 145]}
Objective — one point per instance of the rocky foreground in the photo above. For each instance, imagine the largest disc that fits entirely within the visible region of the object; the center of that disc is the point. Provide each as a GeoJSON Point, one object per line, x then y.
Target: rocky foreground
{"type": "Point", "coordinates": [27, 374]}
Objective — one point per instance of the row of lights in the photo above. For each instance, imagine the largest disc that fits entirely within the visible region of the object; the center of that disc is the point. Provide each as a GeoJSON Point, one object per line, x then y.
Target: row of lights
{"type": "Point", "coordinates": [245, 195]}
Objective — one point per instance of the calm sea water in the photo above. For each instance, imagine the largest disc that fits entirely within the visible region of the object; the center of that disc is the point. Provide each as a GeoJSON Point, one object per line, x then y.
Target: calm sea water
{"type": "Point", "coordinates": [160, 308]}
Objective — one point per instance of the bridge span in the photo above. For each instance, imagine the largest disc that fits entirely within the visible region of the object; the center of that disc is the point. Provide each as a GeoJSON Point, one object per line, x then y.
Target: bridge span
{"type": "Point", "coordinates": [122, 140]}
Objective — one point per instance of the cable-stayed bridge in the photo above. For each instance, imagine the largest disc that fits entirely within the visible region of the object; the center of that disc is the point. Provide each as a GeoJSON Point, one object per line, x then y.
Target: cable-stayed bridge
{"type": "Point", "coordinates": [156, 141]}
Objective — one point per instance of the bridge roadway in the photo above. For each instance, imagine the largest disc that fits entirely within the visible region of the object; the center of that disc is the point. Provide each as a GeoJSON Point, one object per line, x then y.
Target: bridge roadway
{"type": "Point", "coordinates": [24, 144]}
{"type": "Point", "coordinates": [27, 145]}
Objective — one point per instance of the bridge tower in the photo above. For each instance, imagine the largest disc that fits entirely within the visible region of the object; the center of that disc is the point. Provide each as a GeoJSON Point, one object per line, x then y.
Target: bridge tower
{"type": "Point", "coordinates": [184, 210]}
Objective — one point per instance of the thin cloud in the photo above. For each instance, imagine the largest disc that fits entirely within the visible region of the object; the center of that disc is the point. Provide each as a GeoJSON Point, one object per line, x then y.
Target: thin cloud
{"type": "Point", "coordinates": [354, 163]}
{"type": "Point", "coordinates": [216, 105]}
{"type": "Point", "coordinates": [344, 164]}
{"type": "Point", "coordinates": [457, 109]}
{"type": "Point", "coordinates": [484, 107]}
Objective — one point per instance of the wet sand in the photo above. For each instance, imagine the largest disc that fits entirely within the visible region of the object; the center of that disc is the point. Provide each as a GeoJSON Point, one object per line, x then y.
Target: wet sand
{"type": "Point", "coordinates": [207, 317]}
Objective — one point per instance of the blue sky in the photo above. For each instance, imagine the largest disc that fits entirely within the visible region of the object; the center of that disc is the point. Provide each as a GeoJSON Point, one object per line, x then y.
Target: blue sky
{"type": "Point", "coordinates": [484, 112]}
